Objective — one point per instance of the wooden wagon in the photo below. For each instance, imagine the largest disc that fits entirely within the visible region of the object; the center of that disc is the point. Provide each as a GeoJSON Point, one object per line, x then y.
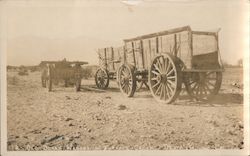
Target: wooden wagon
{"type": "Point", "coordinates": [165, 60]}
{"type": "Point", "coordinates": [110, 59]}
{"type": "Point", "coordinates": [53, 71]}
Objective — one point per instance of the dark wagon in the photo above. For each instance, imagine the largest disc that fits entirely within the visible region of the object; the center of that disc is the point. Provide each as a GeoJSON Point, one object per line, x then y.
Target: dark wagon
{"type": "Point", "coordinates": [54, 71]}
{"type": "Point", "coordinates": [167, 59]}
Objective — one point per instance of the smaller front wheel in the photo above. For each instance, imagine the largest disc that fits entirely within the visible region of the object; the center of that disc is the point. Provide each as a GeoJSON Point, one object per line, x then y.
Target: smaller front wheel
{"type": "Point", "coordinates": [102, 78]}
{"type": "Point", "coordinates": [127, 80]}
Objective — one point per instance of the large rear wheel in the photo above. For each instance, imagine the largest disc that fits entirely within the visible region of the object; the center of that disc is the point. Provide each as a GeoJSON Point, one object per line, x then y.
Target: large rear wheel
{"type": "Point", "coordinates": [165, 78]}
{"type": "Point", "coordinates": [203, 85]}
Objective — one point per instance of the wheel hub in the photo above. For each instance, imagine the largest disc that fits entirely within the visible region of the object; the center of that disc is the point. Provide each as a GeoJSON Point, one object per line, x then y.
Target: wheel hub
{"type": "Point", "coordinates": [125, 80]}
{"type": "Point", "coordinates": [163, 78]}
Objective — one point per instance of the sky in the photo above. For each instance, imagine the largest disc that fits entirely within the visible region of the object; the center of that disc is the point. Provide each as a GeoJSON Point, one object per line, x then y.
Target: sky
{"type": "Point", "coordinates": [39, 30]}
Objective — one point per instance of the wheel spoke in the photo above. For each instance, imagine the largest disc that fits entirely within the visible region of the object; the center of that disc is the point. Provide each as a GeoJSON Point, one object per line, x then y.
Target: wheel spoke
{"type": "Point", "coordinates": [126, 89]}
{"type": "Point", "coordinates": [197, 90]}
{"type": "Point", "coordinates": [204, 90]}
{"type": "Point", "coordinates": [194, 87]}
{"type": "Point", "coordinates": [155, 72]}
{"type": "Point", "coordinates": [123, 73]}
{"type": "Point", "coordinates": [164, 91]}
{"type": "Point", "coordinates": [171, 77]}
{"type": "Point", "coordinates": [154, 79]}
{"type": "Point", "coordinates": [172, 83]}
{"type": "Point", "coordinates": [170, 72]}
{"type": "Point", "coordinates": [157, 68]}
{"type": "Point", "coordinates": [168, 66]}
{"type": "Point", "coordinates": [158, 89]}
{"type": "Point", "coordinates": [206, 86]}
{"type": "Point", "coordinates": [159, 64]}
{"type": "Point", "coordinates": [156, 84]}
{"type": "Point", "coordinates": [163, 65]}
{"type": "Point", "coordinates": [123, 85]}
{"type": "Point", "coordinates": [208, 82]}
{"type": "Point", "coordinates": [170, 89]}
{"type": "Point", "coordinates": [161, 91]}
{"type": "Point", "coordinates": [190, 83]}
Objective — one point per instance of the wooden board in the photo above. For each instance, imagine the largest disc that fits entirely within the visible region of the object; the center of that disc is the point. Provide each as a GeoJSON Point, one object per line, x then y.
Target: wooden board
{"type": "Point", "coordinates": [141, 53]}
{"type": "Point", "coordinates": [110, 58]}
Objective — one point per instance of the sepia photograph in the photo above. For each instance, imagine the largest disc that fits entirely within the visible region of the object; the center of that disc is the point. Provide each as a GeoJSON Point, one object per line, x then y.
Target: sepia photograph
{"type": "Point", "coordinates": [143, 76]}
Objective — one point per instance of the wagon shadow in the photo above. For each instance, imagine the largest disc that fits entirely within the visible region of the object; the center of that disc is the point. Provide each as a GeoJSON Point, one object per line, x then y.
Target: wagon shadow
{"type": "Point", "coordinates": [113, 89]}
{"type": "Point", "coordinates": [220, 100]}
{"type": "Point", "coordinates": [93, 88]}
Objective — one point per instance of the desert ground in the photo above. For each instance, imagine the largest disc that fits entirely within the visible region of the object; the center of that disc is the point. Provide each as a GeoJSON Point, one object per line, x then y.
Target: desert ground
{"type": "Point", "coordinates": [93, 120]}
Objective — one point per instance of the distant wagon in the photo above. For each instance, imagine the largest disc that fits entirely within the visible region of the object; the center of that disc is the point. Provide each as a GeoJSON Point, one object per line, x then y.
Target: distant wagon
{"type": "Point", "coordinates": [54, 71]}
{"type": "Point", "coordinates": [166, 59]}
{"type": "Point", "coordinates": [110, 59]}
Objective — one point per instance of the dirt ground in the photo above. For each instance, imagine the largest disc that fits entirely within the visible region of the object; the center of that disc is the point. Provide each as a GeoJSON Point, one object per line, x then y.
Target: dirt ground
{"type": "Point", "coordinates": [91, 120]}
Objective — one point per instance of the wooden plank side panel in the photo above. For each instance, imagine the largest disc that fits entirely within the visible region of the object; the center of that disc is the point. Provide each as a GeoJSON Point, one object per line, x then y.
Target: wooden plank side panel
{"type": "Point", "coordinates": [129, 54]}
{"type": "Point", "coordinates": [138, 55]}
{"type": "Point", "coordinates": [183, 48]}
{"type": "Point", "coordinates": [109, 59]}
{"type": "Point", "coordinates": [118, 55]}
{"type": "Point", "coordinates": [147, 54]}
{"type": "Point", "coordinates": [177, 44]}
{"type": "Point", "coordinates": [101, 57]}
{"type": "Point", "coordinates": [203, 44]}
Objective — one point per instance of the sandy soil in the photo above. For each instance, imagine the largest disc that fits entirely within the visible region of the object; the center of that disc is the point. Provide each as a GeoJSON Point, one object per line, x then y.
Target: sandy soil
{"type": "Point", "coordinates": [89, 120]}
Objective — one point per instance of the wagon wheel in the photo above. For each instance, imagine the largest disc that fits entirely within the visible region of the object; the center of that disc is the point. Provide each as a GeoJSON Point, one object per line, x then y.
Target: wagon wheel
{"type": "Point", "coordinates": [49, 80]}
{"type": "Point", "coordinates": [203, 85]}
{"type": "Point", "coordinates": [165, 78]}
{"type": "Point", "coordinates": [127, 80]}
{"type": "Point", "coordinates": [102, 78]}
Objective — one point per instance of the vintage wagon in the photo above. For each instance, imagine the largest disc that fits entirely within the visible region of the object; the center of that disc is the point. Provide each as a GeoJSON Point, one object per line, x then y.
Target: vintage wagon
{"type": "Point", "coordinates": [54, 71]}
{"type": "Point", "coordinates": [110, 59]}
{"type": "Point", "coordinates": [165, 60]}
